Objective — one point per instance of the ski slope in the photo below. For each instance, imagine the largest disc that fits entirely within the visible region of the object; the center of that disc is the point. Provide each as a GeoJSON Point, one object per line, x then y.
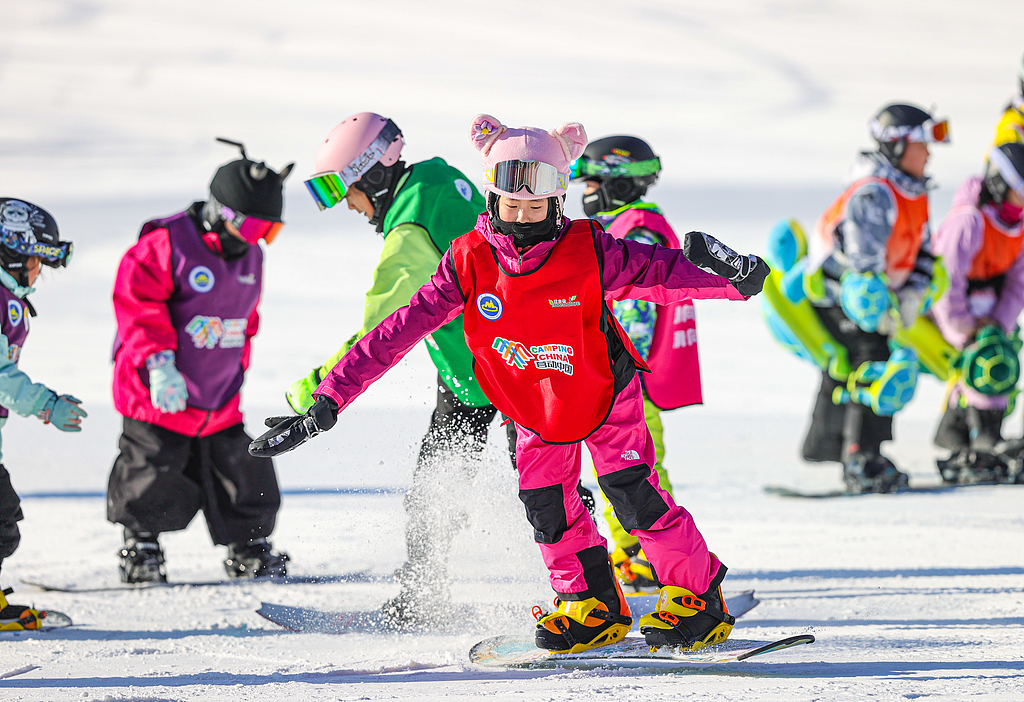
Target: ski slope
{"type": "Point", "coordinates": [756, 109]}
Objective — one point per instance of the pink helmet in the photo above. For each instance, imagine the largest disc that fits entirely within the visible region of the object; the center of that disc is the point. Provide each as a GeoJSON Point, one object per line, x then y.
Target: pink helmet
{"type": "Point", "coordinates": [349, 144]}
{"type": "Point", "coordinates": [515, 158]}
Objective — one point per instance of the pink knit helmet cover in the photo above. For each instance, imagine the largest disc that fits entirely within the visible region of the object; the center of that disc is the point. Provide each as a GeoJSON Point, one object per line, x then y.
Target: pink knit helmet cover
{"type": "Point", "coordinates": [496, 142]}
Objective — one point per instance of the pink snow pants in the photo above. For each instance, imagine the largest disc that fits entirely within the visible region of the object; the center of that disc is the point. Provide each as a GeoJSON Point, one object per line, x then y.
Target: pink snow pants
{"type": "Point", "coordinates": [623, 454]}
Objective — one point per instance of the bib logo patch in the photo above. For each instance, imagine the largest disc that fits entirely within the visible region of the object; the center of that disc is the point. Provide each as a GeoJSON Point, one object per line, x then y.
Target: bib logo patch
{"type": "Point", "coordinates": [15, 312]}
{"type": "Point", "coordinates": [201, 279]}
{"type": "Point", "coordinates": [513, 352]}
{"type": "Point", "coordinates": [489, 306]}
{"type": "Point", "coordinates": [545, 357]}
{"type": "Point", "coordinates": [464, 188]}
{"type": "Point", "coordinates": [211, 332]}
{"type": "Point", "coordinates": [565, 302]}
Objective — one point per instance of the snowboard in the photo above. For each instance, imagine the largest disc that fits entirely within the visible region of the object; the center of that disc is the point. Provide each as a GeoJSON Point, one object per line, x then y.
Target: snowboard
{"type": "Point", "coordinates": [355, 577]}
{"type": "Point", "coordinates": [631, 652]}
{"type": "Point", "coordinates": [783, 491]}
{"type": "Point", "coordinates": [318, 621]}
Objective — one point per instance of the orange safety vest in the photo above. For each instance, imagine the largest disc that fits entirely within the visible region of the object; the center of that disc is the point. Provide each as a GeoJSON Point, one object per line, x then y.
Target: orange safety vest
{"type": "Point", "coordinates": [1000, 246]}
{"type": "Point", "coordinates": [907, 232]}
{"type": "Point", "coordinates": [539, 351]}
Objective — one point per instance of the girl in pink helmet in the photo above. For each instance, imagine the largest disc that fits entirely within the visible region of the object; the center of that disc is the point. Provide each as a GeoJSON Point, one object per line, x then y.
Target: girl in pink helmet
{"type": "Point", "coordinates": [534, 288]}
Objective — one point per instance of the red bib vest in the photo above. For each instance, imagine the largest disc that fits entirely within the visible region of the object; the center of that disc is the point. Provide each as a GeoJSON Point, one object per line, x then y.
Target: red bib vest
{"type": "Point", "coordinates": [539, 351]}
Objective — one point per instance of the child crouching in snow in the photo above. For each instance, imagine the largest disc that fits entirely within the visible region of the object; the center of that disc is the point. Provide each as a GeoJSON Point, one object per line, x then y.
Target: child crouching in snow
{"type": "Point", "coordinates": [28, 240]}
{"type": "Point", "coordinates": [534, 288]}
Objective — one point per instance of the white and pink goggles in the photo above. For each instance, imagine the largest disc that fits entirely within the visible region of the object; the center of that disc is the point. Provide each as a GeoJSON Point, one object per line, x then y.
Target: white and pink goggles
{"type": "Point", "coordinates": [537, 177]}
{"type": "Point", "coordinates": [928, 132]}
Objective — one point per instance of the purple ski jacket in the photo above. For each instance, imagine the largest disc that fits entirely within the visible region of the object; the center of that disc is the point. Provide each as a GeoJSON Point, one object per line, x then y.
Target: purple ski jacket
{"type": "Point", "coordinates": [958, 240]}
{"type": "Point", "coordinates": [630, 270]}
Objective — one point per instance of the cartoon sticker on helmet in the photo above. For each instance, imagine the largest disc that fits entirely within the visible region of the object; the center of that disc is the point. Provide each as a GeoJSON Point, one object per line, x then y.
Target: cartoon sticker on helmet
{"type": "Point", "coordinates": [489, 306]}
{"type": "Point", "coordinates": [201, 279]}
{"type": "Point", "coordinates": [17, 217]}
{"type": "Point", "coordinates": [15, 312]}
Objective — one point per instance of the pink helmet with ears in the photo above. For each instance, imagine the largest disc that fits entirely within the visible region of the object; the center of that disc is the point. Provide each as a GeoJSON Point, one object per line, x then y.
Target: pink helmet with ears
{"type": "Point", "coordinates": [352, 139]}
{"type": "Point", "coordinates": [498, 143]}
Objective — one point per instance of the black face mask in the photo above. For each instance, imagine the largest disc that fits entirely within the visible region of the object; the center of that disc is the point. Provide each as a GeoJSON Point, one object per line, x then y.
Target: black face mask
{"type": "Point", "coordinates": [526, 234]}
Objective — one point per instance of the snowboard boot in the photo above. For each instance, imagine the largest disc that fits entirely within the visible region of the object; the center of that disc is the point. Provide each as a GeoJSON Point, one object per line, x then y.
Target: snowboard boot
{"type": "Point", "coordinates": [689, 621]}
{"type": "Point", "coordinates": [255, 559]}
{"type": "Point", "coordinates": [18, 617]}
{"type": "Point", "coordinates": [872, 473]}
{"type": "Point", "coordinates": [142, 559]}
{"type": "Point", "coordinates": [969, 467]}
{"type": "Point", "coordinates": [633, 570]}
{"type": "Point", "coordinates": [580, 625]}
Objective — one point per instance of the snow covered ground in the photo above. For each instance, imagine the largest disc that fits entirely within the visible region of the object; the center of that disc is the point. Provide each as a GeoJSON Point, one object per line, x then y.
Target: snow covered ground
{"type": "Point", "coordinates": [756, 108]}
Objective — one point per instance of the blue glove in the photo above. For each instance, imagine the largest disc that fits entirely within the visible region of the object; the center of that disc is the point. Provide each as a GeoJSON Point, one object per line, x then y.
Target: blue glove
{"type": "Point", "coordinates": [63, 412]}
{"type": "Point", "coordinates": [166, 385]}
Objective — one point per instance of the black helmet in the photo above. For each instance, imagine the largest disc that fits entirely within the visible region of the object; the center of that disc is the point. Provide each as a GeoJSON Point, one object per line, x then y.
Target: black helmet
{"type": "Point", "coordinates": [1005, 171]}
{"type": "Point", "coordinates": [624, 167]}
{"type": "Point", "coordinates": [28, 230]}
{"type": "Point", "coordinates": [250, 188]}
{"type": "Point", "coordinates": [897, 124]}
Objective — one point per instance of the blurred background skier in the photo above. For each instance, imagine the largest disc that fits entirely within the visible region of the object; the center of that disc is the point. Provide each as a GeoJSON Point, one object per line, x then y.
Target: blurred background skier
{"type": "Point", "coordinates": [868, 274]}
{"type": "Point", "coordinates": [981, 247]}
{"type": "Point", "coordinates": [1011, 124]}
{"type": "Point", "coordinates": [617, 172]}
{"type": "Point", "coordinates": [419, 209]}
{"type": "Point", "coordinates": [29, 239]}
{"type": "Point", "coordinates": [185, 300]}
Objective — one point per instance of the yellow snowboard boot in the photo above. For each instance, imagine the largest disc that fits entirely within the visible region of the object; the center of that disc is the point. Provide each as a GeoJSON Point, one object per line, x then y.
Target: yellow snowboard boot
{"type": "Point", "coordinates": [18, 617]}
{"type": "Point", "coordinates": [633, 569]}
{"type": "Point", "coordinates": [579, 625]}
{"type": "Point", "coordinates": [689, 621]}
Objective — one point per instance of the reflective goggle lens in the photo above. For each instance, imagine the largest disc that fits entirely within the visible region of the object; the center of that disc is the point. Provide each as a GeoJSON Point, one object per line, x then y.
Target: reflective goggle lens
{"type": "Point", "coordinates": [584, 167]}
{"type": "Point", "coordinates": [538, 178]}
{"type": "Point", "coordinates": [252, 229]}
{"type": "Point", "coordinates": [940, 131]}
{"type": "Point", "coordinates": [327, 189]}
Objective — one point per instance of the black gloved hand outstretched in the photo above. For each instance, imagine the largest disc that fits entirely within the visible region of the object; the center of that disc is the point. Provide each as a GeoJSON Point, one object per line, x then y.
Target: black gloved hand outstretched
{"type": "Point", "coordinates": [287, 433]}
{"type": "Point", "coordinates": [746, 273]}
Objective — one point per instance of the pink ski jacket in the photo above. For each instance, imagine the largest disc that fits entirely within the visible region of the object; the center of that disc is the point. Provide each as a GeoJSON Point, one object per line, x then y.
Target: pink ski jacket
{"type": "Point", "coordinates": [958, 240]}
{"type": "Point", "coordinates": [144, 284]}
{"type": "Point", "coordinates": [630, 270]}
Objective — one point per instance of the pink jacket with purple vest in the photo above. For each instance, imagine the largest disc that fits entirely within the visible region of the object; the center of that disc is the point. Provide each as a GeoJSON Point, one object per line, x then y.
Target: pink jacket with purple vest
{"type": "Point", "coordinates": [153, 277]}
{"type": "Point", "coordinates": [630, 270]}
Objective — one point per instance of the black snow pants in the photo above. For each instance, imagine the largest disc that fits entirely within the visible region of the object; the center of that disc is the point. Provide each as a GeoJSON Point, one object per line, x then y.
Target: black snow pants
{"type": "Point", "coordinates": [10, 515]}
{"type": "Point", "coordinates": [837, 431]}
{"type": "Point", "coordinates": [162, 478]}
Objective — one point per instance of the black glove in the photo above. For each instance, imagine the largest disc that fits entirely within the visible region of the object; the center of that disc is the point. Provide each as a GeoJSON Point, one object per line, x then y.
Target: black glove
{"type": "Point", "coordinates": [287, 433]}
{"type": "Point", "coordinates": [587, 497]}
{"type": "Point", "coordinates": [746, 273]}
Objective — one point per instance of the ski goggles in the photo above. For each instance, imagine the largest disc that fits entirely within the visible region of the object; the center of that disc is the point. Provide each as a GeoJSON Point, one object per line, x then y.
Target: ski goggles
{"type": "Point", "coordinates": [583, 168]}
{"type": "Point", "coordinates": [928, 132]}
{"type": "Point", "coordinates": [53, 255]}
{"type": "Point", "coordinates": [329, 188]}
{"type": "Point", "coordinates": [537, 177]}
{"type": "Point", "coordinates": [252, 229]}
{"type": "Point", "coordinates": [1006, 169]}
